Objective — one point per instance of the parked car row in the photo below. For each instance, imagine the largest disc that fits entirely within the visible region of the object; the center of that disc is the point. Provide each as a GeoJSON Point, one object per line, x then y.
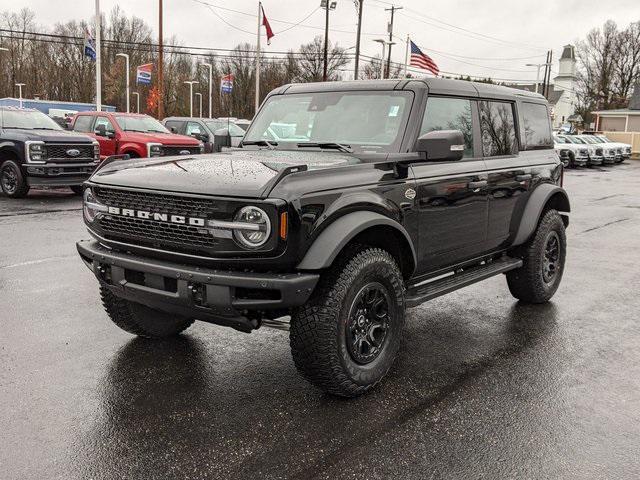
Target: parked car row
{"type": "Point", "coordinates": [590, 150]}
{"type": "Point", "coordinates": [37, 151]}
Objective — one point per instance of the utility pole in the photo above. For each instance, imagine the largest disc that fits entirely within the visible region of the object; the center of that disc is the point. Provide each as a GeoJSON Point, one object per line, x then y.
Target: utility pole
{"type": "Point", "coordinates": [357, 61]}
{"type": "Point", "coordinates": [98, 60]}
{"type": "Point", "coordinates": [392, 10]}
{"type": "Point", "coordinates": [538, 66]}
{"type": "Point", "coordinates": [160, 64]}
{"type": "Point", "coordinates": [327, 5]}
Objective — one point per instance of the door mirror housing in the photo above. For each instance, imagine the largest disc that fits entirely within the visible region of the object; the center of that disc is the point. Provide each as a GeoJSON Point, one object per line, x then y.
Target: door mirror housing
{"type": "Point", "coordinates": [101, 131]}
{"type": "Point", "coordinates": [203, 137]}
{"type": "Point", "coordinates": [441, 145]}
{"type": "Point", "coordinates": [173, 130]}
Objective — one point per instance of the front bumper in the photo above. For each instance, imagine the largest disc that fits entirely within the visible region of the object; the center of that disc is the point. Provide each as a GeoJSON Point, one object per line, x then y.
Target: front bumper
{"type": "Point", "coordinates": [580, 161]}
{"type": "Point", "coordinates": [596, 160]}
{"type": "Point", "coordinates": [235, 299]}
{"type": "Point", "coordinates": [610, 159]}
{"type": "Point", "coordinates": [58, 174]}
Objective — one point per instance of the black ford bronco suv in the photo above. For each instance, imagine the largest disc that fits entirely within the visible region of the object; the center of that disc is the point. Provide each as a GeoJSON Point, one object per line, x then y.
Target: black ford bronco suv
{"type": "Point", "coordinates": [36, 151]}
{"type": "Point", "coordinates": [348, 203]}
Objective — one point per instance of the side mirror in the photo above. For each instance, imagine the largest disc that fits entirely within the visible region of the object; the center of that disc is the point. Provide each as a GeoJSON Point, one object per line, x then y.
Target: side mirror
{"type": "Point", "coordinates": [221, 139]}
{"type": "Point", "coordinates": [444, 145]}
{"type": "Point", "coordinates": [173, 129]}
{"type": "Point", "coordinates": [203, 137]}
{"type": "Point", "coordinates": [101, 130]}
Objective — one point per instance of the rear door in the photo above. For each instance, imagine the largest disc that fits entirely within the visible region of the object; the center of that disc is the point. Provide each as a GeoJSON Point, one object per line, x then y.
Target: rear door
{"type": "Point", "coordinates": [508, 157]}
{"type": "Point", "coordinates": [451, 196]}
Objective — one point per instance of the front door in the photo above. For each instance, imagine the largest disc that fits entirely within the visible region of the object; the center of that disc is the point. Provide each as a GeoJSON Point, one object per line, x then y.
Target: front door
{"type": "Point", "coordinates": [108, 144]}
{"type": "Point", "coordinates": [451, 197]}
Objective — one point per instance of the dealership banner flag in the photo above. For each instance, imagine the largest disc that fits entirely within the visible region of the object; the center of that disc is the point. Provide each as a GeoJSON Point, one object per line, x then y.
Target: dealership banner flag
{"type": "Point", "coordinates": [89, 45]}
{"type": "Point", "coordinates": [226, 83]}
{"type": "Point", "coordinates": [143, 74]}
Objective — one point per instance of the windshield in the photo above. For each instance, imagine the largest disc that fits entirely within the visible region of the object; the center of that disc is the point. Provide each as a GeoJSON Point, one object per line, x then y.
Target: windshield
{"type": "Point", "coordinates": [234, 130]}
{"type": "Point", "coordinates": [27, 119]}
{"type": "Point", "coordinates": [561, 139]}
{"type": "Point", "coordinates": [140, 124]}
{"type": "Point", "coordinates": [365, 121]}
{"type": "Point", "coordinates": [604, 139]}
{"type": "Point", "coordinates": [577, 140]}
{"type": "Point", "coordinates": [590, 140]}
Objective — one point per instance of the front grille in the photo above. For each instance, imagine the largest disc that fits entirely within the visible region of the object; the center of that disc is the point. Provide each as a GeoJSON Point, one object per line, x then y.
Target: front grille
{"type": "Point", "coordinates": [165, 235]}
{"type": "Point", "coordinates": [598, 152]}
{"type": "Point", "coordinates": [170, 150]}
{"type": "Point", "coordinates": [162, 234]}
{"type": "Point", "coordinates": [583, 152]}
{"type": "Point", "coordinates": [56, 151]}
{"type": "Point", "coordinates": [158, 202]}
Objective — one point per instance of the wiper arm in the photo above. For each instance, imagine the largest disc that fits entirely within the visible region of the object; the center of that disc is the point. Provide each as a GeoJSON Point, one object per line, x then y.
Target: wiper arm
{"type": "Point", "coordinates": [333, 145]}
{"type": "Point", "coordinates": [134, 130]}
{"type": "Point", "coordinates": [263, 143]}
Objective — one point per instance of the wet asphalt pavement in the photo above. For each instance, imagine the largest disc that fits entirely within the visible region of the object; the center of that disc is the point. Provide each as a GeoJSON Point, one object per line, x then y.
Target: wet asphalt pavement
{"type": "Point", "coordinates": [484, 387]}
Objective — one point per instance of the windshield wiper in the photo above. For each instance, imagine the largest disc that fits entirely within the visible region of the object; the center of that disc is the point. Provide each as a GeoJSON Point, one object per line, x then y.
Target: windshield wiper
{"type": "Point", "coordinates": [263, 143]}
{"type": "Point", "coordinates": [332, 145]}
{"type": "Point", "coordinates": [155, 131]}
{"type": "Point", "coordinates": [134, 130]}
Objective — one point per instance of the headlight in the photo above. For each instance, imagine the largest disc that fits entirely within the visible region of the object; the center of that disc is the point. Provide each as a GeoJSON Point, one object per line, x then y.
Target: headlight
{"type": "Point", "coordinates": [35, 152]}
{"type": "Point", "coordinates": [154, 149]}
{"type": "Point", "coordinates": [91, 207]}
{"type": "Point", "coordinates": [96, 151]}
{"type": "Point", "coordinates": [257, 229]}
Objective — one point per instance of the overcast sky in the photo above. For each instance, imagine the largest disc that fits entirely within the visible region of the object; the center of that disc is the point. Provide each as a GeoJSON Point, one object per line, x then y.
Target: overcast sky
{"type": "Point", "coordinates": [465, 37]}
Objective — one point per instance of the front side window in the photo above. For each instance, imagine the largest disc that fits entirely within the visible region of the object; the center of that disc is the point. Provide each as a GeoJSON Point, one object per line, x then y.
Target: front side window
{"type": "Point", "coordinates": [234, 130]}
{"type": "Point", "coordinates": [450, 114]}
{"type": "Point", "coordinates": [83, 123]}
{"type": "Point", "coordinates": [106, 122]}
{"type": "Point", "coordinates": [368, 121]}
{"type": "Point", "coordinates": [173, 124]}
{"type": "Point", "coordinates": [498, 128]}
{"type": "Point", "coordinates": [537, 126]}
{"type": "Point", "coordinates": [193, 127]}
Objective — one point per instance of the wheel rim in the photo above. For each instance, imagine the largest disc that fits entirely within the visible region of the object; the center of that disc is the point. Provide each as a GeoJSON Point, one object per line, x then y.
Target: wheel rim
{"type": "Point", "coordinates": [551, 261]}
{"type": "Point", "coordinates": [368, 323]}
{"type": "Point", "coordinates": [9, 179]}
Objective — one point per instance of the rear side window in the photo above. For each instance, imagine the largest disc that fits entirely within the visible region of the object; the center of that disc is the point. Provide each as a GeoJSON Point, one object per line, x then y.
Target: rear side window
{"type": "Point", "coordinates": [450, 114]}
{"type": "Point", "coordinates": [83, 123]}
{"type": "Point", "coordinates": [498, 128]}
{"type": "Point", "coordinates": [537, 126]}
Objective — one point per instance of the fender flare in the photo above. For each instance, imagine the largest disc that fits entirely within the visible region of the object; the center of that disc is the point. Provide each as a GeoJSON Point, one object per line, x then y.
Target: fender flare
{"type": "Point", "coordinates": [535, 205]}
{"type": "Point", "coordinates": [336, 236]}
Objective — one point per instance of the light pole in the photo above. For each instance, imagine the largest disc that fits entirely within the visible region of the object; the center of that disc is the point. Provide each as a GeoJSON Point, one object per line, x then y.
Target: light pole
{"type": "Point", "coordinates": [137, 101]}
{"type": "Point", "coordinates": [210, 67]}
{"type": "Point", "coordinates": [126, 59]}
{"type": "Point", "coordinates": [191, 83]}
{"type": "Point", "coordinates": [327, 5]}
{"type": "Point", "coordinates": [20, 85]}
{"type": "Point", "coordinates": [384, 42]}
{"type": "Point", "coordinates": [199, 95]}
{"type": "Point", "coordinates": [538, 66]}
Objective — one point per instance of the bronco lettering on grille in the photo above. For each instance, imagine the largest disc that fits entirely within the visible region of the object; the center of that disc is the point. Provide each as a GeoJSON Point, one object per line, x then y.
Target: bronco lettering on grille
{"type": "Point", "coordinates": [159, 217]}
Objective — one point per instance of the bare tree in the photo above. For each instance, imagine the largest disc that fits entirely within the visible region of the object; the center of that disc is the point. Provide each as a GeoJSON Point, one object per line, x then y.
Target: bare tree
{"type": "Point", "coordinates": [311, 61]}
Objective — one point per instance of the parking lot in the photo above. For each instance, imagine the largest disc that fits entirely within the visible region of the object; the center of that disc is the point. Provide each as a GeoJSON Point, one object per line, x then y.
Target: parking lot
{"type": "Point", "coordinates": [484, 388]}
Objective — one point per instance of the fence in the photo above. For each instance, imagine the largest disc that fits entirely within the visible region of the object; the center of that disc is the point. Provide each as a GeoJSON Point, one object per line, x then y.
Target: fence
{"type": "Point", "coordinates": [632, 138]}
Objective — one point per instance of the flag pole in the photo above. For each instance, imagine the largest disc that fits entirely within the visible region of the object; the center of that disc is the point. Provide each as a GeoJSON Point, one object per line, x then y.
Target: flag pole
{"type": "Point", "coordinates": [406, 56]}
{"type": "Point", "coordinates": [98, 60]}
{"type": "Point", "coordinates": [258, 61]}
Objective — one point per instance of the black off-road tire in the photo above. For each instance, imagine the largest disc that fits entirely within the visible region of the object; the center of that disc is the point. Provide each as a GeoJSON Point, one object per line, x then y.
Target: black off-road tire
{"type": "Point", "coordinates": [14, 185]}
{"type": "Point", "coordinates": [141, 320]}
{"type": "Point", "coordinates": [531, 283]}
{"type": "Point", "coordinates": [321, 329]}
{"type": "Point", "coordinates": [76, 189]}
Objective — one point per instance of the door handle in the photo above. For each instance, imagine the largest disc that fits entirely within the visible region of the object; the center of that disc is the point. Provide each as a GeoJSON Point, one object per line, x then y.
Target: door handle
{"type": "Point", "coordinates": [477, 184]}
{"type": "Point", "coordinates": [522, 178]}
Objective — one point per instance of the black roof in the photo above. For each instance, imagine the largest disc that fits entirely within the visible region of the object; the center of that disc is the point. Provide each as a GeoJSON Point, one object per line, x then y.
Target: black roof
{"type": "Point", "coordinates": [442, 86]}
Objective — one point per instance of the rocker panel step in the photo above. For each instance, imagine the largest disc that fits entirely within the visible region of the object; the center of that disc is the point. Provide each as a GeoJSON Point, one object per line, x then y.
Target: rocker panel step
{"type": "Point", "coordinates": [422, 293]}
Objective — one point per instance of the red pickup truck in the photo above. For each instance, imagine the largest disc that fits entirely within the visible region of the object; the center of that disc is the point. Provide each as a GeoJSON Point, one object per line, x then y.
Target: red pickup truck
{"type": "Point", "coordinates": [133, 134]}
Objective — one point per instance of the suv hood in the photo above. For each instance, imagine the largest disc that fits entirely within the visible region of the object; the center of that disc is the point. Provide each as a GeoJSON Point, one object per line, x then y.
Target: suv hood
{"type": "Point", "coordinates": [163, 138]}
{"type": "Point", "coordinates": [234, 173]}
{"type": "Point", "coordinates": [53, 136]}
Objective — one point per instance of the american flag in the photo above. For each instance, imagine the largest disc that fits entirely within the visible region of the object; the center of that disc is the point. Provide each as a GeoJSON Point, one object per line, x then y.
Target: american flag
{"type": "Point", "coordinates": [422, 60]}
